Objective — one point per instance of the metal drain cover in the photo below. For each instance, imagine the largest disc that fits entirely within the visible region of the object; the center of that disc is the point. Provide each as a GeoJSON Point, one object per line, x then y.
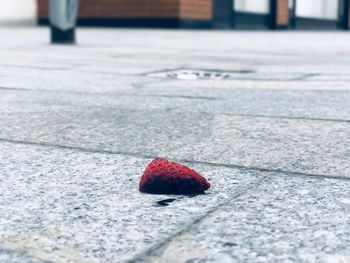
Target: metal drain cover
{"type": "Point", "coordinates": [193, 74]}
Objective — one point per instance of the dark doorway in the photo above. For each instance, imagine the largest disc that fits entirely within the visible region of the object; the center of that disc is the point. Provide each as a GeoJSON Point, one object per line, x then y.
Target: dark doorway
{"type": "Point", "coordinates": [252, 14]}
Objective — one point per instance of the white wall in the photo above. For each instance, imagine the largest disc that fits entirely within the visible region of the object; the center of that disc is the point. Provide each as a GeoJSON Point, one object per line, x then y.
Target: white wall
{"type": "Point", "coordinates": [18, 12]}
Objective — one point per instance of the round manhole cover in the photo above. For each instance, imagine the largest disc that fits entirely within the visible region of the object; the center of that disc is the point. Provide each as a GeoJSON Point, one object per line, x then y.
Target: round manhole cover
{"type": "Point", "coordinates": [186, 74]}
{"type": "Point", "coordinates": [193, 75]}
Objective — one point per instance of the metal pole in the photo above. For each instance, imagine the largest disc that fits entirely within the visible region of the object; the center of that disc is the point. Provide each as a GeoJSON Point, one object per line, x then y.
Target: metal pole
{"type": "Point", "coordinates": [294, 14]}
{"type": "Point", "coordinates": [346, 14]}
{"type": "Point", "coordinates": [273, 14]}
{"type": "Point", "coordinates": [63, 16]}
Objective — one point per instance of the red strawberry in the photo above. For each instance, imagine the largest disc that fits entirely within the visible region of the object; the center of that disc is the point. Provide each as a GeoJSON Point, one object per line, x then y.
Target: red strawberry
{"type": "Point", "coordinates": [166, 177]}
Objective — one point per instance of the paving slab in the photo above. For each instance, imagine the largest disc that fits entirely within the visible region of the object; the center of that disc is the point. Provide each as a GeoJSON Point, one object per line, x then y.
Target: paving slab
{"type": "Point", "coordinates": [65, 205]}
{"type": "Point", "coordinates": [8, 256]}
{"type": "Point", "coordinates": [66, 80]}
{"type": "Point", "coordinates": [294, 103]}
{"type": "Point", "coordinates": [203, 86]}
{"type": "Point", "coordinates": [291, 145]}
{"type": "Point", "coordinates": [122, 51]}
{"type": "Point", "coordinates": [286, 103]}
{"type": "Point", "coordinates": [323, 105]}
{"type": "Point", "coordinates": [79, 124]}
{"type": "Point", "coordinates": [131, 100]}
{"type": "Point", "coordinates": [286, 219]}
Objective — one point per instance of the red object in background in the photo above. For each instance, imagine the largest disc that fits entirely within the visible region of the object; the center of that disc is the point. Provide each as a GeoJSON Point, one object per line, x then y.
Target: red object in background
{"type": "Point", "coordinates": [166, 177]}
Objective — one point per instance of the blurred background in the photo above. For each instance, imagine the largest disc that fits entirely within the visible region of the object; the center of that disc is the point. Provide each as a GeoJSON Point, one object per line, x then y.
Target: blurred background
{"type": "Point", "coordinates": [219, 14]}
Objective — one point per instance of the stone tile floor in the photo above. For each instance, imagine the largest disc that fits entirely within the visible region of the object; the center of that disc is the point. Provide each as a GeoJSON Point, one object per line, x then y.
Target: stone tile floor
{"type": "Point", "coordinates": [80, 123]}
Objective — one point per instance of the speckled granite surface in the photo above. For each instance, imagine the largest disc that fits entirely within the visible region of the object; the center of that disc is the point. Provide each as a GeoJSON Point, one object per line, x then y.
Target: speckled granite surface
{"type": "Point", "coordinates": [79, 124]}
{"type": "Point", "coordinates": [64, 204]}
{"type": "Point", "coordinates": [283, 220]}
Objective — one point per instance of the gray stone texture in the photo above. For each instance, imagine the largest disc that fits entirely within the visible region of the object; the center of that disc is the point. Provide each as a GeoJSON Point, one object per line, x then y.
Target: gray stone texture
{"type": "Point", "coordinates": [61, 204]}
{"type": "Point", "coordinates": [79, 124]}
{"type": "Point", "coordinates": [281, 221]}
{"type": "Point", "coordinates": [307, 146]}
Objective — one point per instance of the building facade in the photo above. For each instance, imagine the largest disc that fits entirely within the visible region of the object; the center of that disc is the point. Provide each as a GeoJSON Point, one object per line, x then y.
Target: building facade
{"type": "Point", "coordinates": [219, 14]}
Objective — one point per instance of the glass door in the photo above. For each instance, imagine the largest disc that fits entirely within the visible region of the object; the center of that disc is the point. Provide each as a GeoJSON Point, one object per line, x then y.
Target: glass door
{"type": "Point", "coordinates": [323, 14]}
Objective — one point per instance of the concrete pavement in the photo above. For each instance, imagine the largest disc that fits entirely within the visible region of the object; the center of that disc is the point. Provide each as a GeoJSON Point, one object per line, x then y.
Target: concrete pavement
{"type": "Point", "coordinates": [265, 116]}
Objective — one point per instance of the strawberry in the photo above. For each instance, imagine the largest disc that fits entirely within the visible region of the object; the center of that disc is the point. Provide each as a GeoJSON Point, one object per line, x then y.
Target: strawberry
{"type": "Point", "coordinates": [166, 177]}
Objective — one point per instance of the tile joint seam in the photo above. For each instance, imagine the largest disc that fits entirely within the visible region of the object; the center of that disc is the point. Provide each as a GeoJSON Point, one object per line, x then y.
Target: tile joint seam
{"type": "Point", "coordinates": [151, 156]}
